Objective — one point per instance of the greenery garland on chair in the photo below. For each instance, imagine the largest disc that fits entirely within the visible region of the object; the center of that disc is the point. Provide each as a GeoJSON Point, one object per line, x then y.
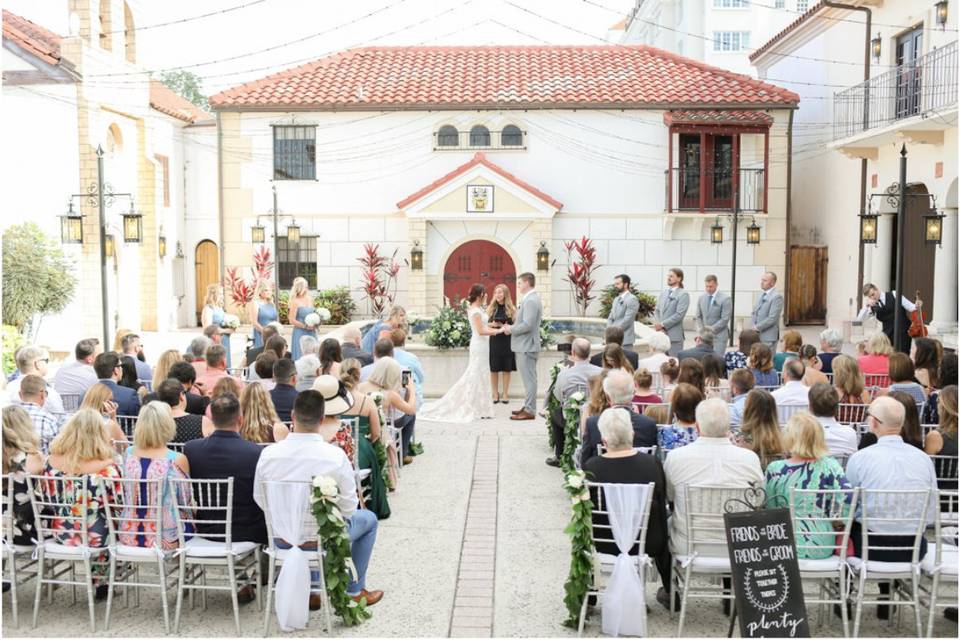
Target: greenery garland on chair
{"type": "Point", "coordinates": [552, 403]}
{"type": "Point", "coordinates": [571, 429]}
{"type": "Point", "coordinates": [337, 563]}
{"type": "Point", "coordinates": [378, 446]}
{"type": "Point", "coordinates": [581, 547]}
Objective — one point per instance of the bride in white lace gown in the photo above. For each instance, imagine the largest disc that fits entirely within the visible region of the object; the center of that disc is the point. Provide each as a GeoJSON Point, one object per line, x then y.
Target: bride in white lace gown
{"type": "Point", "coordinates": [470, 397]}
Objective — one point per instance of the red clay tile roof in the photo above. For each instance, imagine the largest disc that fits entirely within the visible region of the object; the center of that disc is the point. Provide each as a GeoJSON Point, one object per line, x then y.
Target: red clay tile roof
{"type": "Point", "coordinates": [717, 117]}
{"type": "Point", "coordinates": [517, 77]}
{"type": "Point", "coordinates": [164, 100]}
{"type": "Point", "coordinates": [31, 37]}
{"type": "Point", "coordinates": [806, 15]}
{"type": "Point", "coordinates": [479, 159]}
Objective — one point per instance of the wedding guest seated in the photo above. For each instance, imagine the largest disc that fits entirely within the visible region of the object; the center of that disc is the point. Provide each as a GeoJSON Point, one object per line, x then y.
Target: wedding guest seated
{"type": "Point", "coordinates": [659, 344]}
{"type": "Point", "coordinates": [100, 399]}
{"type": "Point", "coordinates": [642, 392]}
{"type": "Point", "coordinates": [570, 380]}
{"type": "Point", "coordinates": [196, 401]}
{"type": "Point", "coordinates": [760, 430]}
{"type": "Point", "coordinates": [150, 459]}
{"type": "Point", "coordinates": [308, 364]}
{"type": "Point", "coordinates": [848, 381]}
{"type": "Point", "coordinates": [703, 344]}
{"type": "Point", "coordinates": [278, 345]}
{"type": "Point", "coordinates": [669, 371]}
{"type": "Point", "coordinates": [407, 360]}
{"type": "Point", "coordinates": [130, 346]}
{"type": "Point", "coordinates": [396, 319]}
{"type": "Point", "coordinates": [926, 354]}
{"type": "Point", "coordinates": [793, 393]}
{"type": "Point", "coordinates": [911, 432]}
{"type": "Point", "coordinates": [876, 362]}
{"type": "Point", "coordinates": [284, 392]}
{"type": "Point", "coordinates": [83, 448]}
{"type": "Point", "coordinates": [78, 376]}
{"type": "Point", "coordinates": [269, 330]}
{"type": "Point", "coordinates": [942, 441]}
{"type": "Point", "coordinates": [809, 468]}
{"type": "Point", "coordinates": [618, 387]}
{"type": "Point", "coordinates": [336, 400]}
{"type": "Point", "coordinates": [263, 368]}
{"type": "Point", "coordinates": [350, 347]}
{"type": "Point", "coordinates": [621, 464]}
{"type": "Point", "coordinates": [381, 349]}
{"type": "Point", "coordinates": [128, 377]}
{"type": "Point", "coordinates": [33, 394]}
{"type": "Point", "coordinates": [259, 419]}
{"type": "Point", "coordinates": [831, 342]}
{"type": "Point", "coordinates": [614, 335]}
{"type": "Point", "coordinates": [902, 378]}
{"type": "Point", "coordinates": [812, 373]}
{"type": "Point", "coordinates": [613, 359]}
{"type": "Point", "coordinates": [683, 405]}
{"type": "Point", "coordinates": [365, 411]}
{"type": "Point", "coordinates": [216, 368]}
{"type": "Point", "coordinates": [893, 465]}
{"type": "Point", "coordinates": [21, 456]}
{"type": "Point", "coordinates": [792, 341]}
{"type": "Point", "coordinates": [739, 359]}
{"type": "Point", "coordinates": [197, 353]}
{"type": "Point", "coordinates": [597, 401]}
{"type": "Point", "coordinates": [946, 376]}
{"type": "Point", "coordinates": [224, 454]}
{"type": "Point", "coordinates": [658, 413]}
{"type": "Point", "coordinates": [760, 364]}
{"type": "Point", "coordinates": [715, 377]}
{"type": "Point", "coordinates": [691, 372]}
{"type": "Point", "coordinates": [741, 384]}
{"type": "Point", "coordinates": [161, 371]}
{"type": "Point", "coordinates": [304, 455]}
{"type": "Point", "coordinates": [331, 356]}
{"type": "Point", "coordinates": [399, 402]}
{"type": "Point", "coordinates": [189, 426]}
{"type": "Point", "coordinates": [840, 439]}
{"type": "Point", "coordinates": [33, 360]}
{"type": "Point", "coordinates": [108, 369]}
{"type": "Point", "coordinates": [224, 386]}
{"type": "Point", "coordinates": [710, 460]}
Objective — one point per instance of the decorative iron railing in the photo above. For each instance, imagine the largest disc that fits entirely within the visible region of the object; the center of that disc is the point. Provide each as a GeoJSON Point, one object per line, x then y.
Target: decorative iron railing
{"type": "Point", "coordinates": [927, 84]}
{"type": "Point", "coordinates": [693, 189]}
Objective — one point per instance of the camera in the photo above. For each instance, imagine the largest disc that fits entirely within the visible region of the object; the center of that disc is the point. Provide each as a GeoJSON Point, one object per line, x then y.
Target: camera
{"type": "Point", "coordinates": [565, 347]}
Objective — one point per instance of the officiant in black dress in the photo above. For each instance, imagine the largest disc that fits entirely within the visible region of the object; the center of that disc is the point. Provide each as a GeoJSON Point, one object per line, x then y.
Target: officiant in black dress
{"type": "Point", "coordinates": [501, 311]}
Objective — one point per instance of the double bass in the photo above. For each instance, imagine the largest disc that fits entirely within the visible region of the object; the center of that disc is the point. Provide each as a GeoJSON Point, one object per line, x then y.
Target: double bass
{"type": "Point", "coordinates": [918, 327]}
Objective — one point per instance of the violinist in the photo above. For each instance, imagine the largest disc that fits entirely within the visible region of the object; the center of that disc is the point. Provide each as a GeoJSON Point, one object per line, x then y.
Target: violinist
{"type": "Point", "coordinates": [882, 306]}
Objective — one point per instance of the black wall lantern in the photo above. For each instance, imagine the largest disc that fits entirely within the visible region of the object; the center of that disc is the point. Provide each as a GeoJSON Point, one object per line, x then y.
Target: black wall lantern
{"type": "Point", "coordinates": [933, 227]}
{"type": "Point", "coordinates": [753, 233]}
{"type": "Point", "coordinates": [132, 225]}
{"type": "Point", "coordinates": [941, 8]}
{"type": "Point", "coordinates": [868, 228]}
{"type": "Point", "coordinates": [71, 226]}
{"type": "Point", "coordinates": [416, 256]}
{"type": "Point", "coordinates": [875, 47]}
{"type": "Point", "coordinates": [716, 232]}
{"type": "Point", "coordinates": [543, 257]}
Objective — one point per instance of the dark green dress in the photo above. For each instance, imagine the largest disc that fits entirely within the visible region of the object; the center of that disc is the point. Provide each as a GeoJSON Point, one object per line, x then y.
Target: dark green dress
{"type": "Point", "coordinates": [374, 487]}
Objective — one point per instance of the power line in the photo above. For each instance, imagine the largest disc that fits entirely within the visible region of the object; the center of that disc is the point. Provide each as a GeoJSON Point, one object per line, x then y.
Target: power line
{"type": "Point", "coordinates": [201, 16]}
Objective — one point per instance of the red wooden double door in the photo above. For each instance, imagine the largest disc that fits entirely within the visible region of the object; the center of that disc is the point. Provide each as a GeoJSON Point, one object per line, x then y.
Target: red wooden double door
{"type": "Point", "coordinates": [478, 261]}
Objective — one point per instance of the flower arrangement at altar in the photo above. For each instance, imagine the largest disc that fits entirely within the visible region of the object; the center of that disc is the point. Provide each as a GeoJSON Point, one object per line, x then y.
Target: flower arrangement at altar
{"type": "Point", "coordinates": [450, 328]}
{"type": "Point", "coordinates": [337, 562]}
{"type": "Point", "coordinates": [581, 547]}
{"type": "Point", "coordinates": [571, 428]}
{"type": "Point", "coordinates": [229, 321]}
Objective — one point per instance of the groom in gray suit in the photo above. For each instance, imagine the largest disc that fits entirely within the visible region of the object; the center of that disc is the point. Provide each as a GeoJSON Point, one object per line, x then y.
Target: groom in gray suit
{"type": "Point", "coordinates": [714, 309]}
{"type": "Point", "coordinates": [624, 310]}
{"type": "Point", "coordinates": [525, 342]}
{"type": "Point", "coordinates": [671, 308]}
{"type": "Point", "coordinates": [766, 315]}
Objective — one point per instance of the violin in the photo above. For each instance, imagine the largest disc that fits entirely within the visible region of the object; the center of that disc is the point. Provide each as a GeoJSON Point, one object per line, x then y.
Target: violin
{"type": "Point", "coordinates": [918, 328]}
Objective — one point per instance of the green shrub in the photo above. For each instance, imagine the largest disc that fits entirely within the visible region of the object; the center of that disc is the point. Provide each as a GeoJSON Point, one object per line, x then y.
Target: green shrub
{"type": "Point", "coordinates": [647, 302]}
{"type": "Point", "coordinates": [338, 302]}
{"type": "Point", "coordinates": [450, 328]}
{"type": "Point", "coordinates": [12, 340]}
{"type": "Point", "coordinates": [37, 276]}
{"type": "Point", "coordinates": [546, 334]}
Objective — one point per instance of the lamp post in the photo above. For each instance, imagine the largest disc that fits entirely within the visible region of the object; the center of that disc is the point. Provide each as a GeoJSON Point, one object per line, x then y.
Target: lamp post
{"type": "Point", "coordinates": [258, 236]}
{"type": "Point", "coordinates": [71, 230]}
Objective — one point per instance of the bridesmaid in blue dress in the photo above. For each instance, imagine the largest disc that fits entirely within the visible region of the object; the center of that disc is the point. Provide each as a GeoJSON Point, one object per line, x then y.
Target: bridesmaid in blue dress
{"type": "Point", "coordinates": [264, 311]}
{"type": "Point", "coordinates": [213, 313]}
{"type": "Point", "coordinates": [301, 305]}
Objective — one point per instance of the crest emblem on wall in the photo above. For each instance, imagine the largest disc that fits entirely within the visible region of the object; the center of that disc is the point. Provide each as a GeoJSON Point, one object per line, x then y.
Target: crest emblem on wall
{"type": "Point", "coordinates": [480, 198]}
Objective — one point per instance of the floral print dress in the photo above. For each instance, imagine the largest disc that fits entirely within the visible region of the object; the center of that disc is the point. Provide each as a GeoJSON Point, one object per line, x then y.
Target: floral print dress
{"type": "Point", "coordinates": [24, 532]}
{"type": "Point", "coordinates": [144, 533]}
{"type": "Point", "coordinates": [675, 436]}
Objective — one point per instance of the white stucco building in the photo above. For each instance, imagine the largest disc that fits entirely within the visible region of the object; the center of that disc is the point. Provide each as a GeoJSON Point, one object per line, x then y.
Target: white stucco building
{"type": "Point", "coordinates": [846, 125]}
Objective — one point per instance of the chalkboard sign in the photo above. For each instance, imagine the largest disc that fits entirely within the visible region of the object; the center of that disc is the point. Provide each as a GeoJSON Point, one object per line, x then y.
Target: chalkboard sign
{"type": "Point", "coordinates": [766, 576]}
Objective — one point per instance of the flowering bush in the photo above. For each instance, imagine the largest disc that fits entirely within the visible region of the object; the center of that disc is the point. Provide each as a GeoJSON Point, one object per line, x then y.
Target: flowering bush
{"type": "Point", "coordinates": [241, 291]}
{"type": "Point", "coordinates": [450, 329]}
{"type": "Point", "coordinates": [580, 272]}
{"type": "Point", "coordinates": [379, 274]}
{"type": "Point", "coordinates": [262, 264]}
{"type": "Point", "coordinates": [339, 302]}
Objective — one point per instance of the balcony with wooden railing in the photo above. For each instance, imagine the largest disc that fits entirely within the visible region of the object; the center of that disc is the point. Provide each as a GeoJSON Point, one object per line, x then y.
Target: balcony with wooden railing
{"type": "Point", "coordinates": [716, 189]}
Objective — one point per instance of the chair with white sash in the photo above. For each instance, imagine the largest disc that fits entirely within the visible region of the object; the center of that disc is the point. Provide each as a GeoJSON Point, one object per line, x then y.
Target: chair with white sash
{"type": "Point", "coordinates": [940, 564]}
{"type": "Point", "coordinates": [620, 514]}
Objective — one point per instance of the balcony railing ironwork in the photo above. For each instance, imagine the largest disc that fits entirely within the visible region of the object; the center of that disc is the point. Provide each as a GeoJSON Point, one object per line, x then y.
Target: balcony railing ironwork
{"type": "Point", "coordinates": [693, 189]}
{"type": "Point", "coordinates": [509, 138]}
{"type": "Point", "coordinates": [926, 84]}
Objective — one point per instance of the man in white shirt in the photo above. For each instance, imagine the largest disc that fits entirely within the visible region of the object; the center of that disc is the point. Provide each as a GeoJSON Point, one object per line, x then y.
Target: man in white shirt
{"type": "Point", "coordinates": [793, 393]}
{"type": "Point", "coordinates": [824, 401]}
{"type": "Point", "coordinates": [34, 360]}
{"type": "Point", "coordinates": [882, 305]}
{"type": "Point", "coordinates": [304, 454]}
{"type": "Point", "coordinates": [78, 376]}
{"type": "Point", "coordinates": [712, 460]}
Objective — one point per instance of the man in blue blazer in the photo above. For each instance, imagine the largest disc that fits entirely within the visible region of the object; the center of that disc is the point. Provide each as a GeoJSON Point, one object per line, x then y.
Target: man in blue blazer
{"type": "Point", "coordinates": [107, 367]}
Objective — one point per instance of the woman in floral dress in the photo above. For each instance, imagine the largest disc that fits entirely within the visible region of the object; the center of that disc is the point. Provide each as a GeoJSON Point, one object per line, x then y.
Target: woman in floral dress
{"type": "Point", "coordinates": [21, 456]}
{"type": "Point", "coordinates": [683, 405]}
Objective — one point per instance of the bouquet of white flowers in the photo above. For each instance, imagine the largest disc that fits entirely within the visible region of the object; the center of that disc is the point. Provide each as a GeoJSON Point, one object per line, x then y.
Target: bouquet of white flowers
{"type": "Point", "coordinates": [229, 321]}
{"type": "Point", "coordinates": [324, 314]}
{"type": "Point", "coordinates": [312, 320]}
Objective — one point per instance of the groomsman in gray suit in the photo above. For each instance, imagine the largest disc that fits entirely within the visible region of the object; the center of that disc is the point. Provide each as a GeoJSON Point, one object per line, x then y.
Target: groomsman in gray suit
{"type": "Point", "coordinates": [714, 309]}
{"type": "Point", "coordinates": [624, 310]}
{"type": "Point", "coordinates": [766, 315]}
{"type": "Point", "coordinates": [671, 308]}
{"type": "Point", "coordinates": [525, 342]}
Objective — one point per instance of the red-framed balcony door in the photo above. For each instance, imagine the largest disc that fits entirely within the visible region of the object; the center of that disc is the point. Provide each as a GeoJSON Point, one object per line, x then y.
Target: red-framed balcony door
{"type": "Point", "coordinates": [689, 181]}
{"type": "Point", "coordinates": [721, 153]}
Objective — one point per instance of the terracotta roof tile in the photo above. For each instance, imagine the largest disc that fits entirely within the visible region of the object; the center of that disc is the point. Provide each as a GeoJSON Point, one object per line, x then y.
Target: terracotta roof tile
{"type": "Point", "coordinates": [611, 76]}
{"type": "Point", "coordinates": [806, 15]}
{"type": "Point", "coordinates": [478, 159]}
{"type": "Point", "coordinates": [165, 100]}
{"type": "Point", "coordinates": [734, 116]}
{"type": "Point", "coordinates": [30, 36]}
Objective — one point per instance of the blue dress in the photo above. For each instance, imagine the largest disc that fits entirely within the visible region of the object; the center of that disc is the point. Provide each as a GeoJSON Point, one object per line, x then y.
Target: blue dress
{"type": "Point", "coordinates": [216, 317]}
{"type": "Point", "coordinates": [266, 313]}
{"type": "Point", "coordinates": [302, 312]}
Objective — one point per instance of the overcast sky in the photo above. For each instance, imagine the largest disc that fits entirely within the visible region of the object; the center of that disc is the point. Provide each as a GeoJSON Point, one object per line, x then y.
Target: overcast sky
{"type": "Point", "coordinates": [245, 33]}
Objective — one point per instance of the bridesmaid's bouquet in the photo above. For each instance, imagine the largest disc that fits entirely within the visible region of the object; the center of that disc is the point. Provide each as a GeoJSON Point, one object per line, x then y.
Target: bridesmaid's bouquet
{"type": "Point", "coordinates": [230, 321]}
{"type": "Point", "coordinates": [312, 320]}
{"type": "Point", "coordinates": [324, 314]}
